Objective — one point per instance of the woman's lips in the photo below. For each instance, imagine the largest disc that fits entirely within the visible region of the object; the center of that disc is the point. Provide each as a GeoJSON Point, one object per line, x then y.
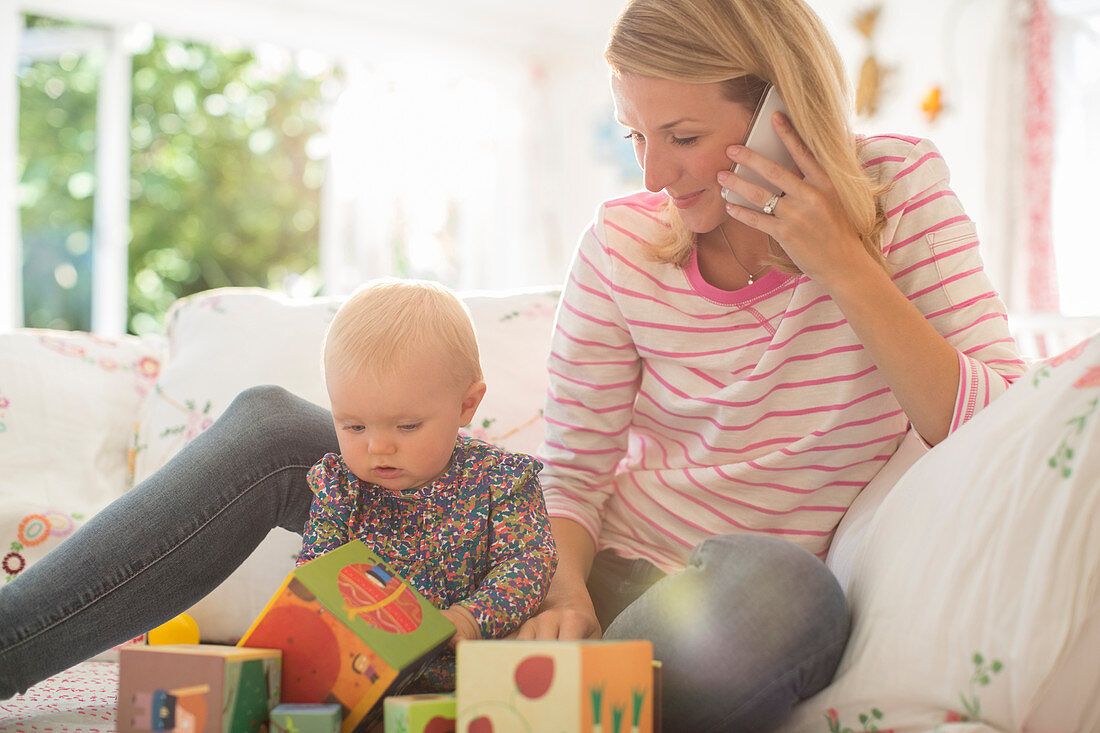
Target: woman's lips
{"type": "Point", "coordinates": [685, 202]}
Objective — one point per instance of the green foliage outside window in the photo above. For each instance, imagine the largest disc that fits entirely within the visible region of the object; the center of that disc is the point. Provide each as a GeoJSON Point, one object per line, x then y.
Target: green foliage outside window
{"type": "Point", "coordinates": [225, 184]}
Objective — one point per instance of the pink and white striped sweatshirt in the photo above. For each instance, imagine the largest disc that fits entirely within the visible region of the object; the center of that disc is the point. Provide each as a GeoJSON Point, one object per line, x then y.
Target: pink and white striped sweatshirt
{"type": "Point", "coordinates": [677, 410]}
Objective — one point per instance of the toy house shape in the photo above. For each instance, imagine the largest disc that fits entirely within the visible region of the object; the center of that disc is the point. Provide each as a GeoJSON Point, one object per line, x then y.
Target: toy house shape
{"type": "Point", "coordinates": [588, 686]}
{"type": "Point", "coordinates": [350, 631]}
{"type": "Point", "coordinates": [191, 687]}
{"type": "Point", "coordinates": [426, 713]}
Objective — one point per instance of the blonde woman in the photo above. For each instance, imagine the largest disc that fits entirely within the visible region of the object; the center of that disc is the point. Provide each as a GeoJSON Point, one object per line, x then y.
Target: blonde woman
{"type": "Point", "coordinates": [725, 379]}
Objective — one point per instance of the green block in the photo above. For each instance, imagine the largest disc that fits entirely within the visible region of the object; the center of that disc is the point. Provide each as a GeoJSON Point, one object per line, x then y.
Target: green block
{"type": "Point", "coordinates": [289, 717]}
{"type": "Point", "coordinates": [420, 713]}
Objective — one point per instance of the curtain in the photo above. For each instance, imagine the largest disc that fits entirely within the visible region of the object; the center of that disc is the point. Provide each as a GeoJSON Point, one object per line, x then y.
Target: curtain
{"type": "Point", "coordinates": [1042, 283]}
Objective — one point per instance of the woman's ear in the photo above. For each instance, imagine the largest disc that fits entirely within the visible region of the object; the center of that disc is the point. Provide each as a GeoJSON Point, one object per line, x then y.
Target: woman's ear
{"type": "Point", "coordinates": [470, 402]}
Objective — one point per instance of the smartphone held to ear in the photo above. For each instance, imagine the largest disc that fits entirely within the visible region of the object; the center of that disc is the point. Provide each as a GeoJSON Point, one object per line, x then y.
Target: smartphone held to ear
{"type": "Point", "coordinates": [763, 139]}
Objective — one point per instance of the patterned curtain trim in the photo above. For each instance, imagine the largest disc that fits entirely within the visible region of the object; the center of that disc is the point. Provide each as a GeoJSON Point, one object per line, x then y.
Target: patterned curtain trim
{"type": "Point", "coordinates": [1042, 282]}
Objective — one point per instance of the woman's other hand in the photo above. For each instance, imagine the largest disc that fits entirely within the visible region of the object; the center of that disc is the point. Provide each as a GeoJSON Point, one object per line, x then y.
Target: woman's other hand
{"type": "Point", "coordinates": [562, 618]}
{"type": "Point", "coordinates": [808, 222]}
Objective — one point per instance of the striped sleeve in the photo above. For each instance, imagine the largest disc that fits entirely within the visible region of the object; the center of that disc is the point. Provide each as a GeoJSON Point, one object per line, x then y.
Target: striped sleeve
{"type": "Point", "coordinates": [932, 248]}
{"type": "Point", "coordinates": [594, 373]}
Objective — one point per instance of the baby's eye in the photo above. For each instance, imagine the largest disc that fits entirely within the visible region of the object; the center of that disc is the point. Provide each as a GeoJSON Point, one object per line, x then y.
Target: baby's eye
{"type": "Point", "coordinates": [409, 427]}
{"type": "Point", "coordinates": [354, 428]}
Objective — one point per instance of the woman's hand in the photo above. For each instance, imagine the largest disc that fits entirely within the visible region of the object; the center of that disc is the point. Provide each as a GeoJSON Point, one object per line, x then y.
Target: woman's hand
{"type": "Point", "coordinates": [466, 627]}
{"type": "Point", "coordinates": [562, 618]}
{"type": "Point", "coordinates": [808, 222]}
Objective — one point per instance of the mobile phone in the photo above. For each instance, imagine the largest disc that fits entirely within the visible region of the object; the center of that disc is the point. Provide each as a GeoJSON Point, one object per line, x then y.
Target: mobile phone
{"type": "Point", "coordinates": [762, 139]}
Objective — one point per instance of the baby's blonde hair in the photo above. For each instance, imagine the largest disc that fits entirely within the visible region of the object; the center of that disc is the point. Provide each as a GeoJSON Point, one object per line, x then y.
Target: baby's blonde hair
{"type": "Point", "coordinates": [742, 44]}
{"type": "Point", "coordinates": [387, 322]}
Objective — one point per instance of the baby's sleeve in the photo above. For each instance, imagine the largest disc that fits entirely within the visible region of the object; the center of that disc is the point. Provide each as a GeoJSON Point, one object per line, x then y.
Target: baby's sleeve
{"type": "Point", "coordinates": [329, 514]}
{"type": "Point", "coordinates": [522, 554]}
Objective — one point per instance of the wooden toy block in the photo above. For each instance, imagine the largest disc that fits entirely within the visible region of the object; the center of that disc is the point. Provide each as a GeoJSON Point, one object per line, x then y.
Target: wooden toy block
{"type": "Point", "coordinates": [428, 713]}
{"type": "Point", "coordinates": [196, 688]}
{"type": "Point", "coordinates": [658, 712]}
{"type": "Point", "coordinates": [297, 717]}
{"type": "Point", "coordinates": [601, 686]}
{"type": "Point", "coordinates": [350, 632]}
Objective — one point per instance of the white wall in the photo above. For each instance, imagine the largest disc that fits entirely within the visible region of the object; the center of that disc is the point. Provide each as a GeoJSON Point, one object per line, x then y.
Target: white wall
{"type": "Point", "coordinates": [970, 49]}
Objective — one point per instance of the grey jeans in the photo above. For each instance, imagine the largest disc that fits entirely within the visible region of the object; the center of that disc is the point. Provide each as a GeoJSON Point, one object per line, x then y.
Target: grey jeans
{"type": "Point", "coordinates": [169, 541]}
{"type": "Point", "coordinates": [749, 628]}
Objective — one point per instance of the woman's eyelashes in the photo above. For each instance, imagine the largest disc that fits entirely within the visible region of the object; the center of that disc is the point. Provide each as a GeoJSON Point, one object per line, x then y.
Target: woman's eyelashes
{"type": "Point", "coordinates": [685, 141]}
{"type": "Point", "coordinates": [638, 138]}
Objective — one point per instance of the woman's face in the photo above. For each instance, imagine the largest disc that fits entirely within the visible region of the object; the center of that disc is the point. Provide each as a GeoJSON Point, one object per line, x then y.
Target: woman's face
{"type": "Point", "coordinates": [680, 133]}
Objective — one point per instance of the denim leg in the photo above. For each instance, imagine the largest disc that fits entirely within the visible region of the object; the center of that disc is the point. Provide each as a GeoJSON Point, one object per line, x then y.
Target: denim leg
{"type": "Point", "coordinates": [615, 582]}
{"type": "Point", "coordinates": [752, 626]}
{"type": "Point", "coordinates": [169, 541]}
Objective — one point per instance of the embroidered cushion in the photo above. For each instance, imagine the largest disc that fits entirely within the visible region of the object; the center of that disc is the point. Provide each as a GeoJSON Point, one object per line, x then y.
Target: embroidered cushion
{"type": "Point", "coordinates": [977, 583]}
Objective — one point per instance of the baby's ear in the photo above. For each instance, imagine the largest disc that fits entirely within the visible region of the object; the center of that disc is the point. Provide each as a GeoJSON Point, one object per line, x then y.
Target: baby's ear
{"type": "Point", "coordinates": [470, 402]}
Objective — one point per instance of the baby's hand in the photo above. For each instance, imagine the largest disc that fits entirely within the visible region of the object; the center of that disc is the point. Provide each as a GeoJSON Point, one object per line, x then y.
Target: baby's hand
{"type": "Point", "coordinates": [465, 624]}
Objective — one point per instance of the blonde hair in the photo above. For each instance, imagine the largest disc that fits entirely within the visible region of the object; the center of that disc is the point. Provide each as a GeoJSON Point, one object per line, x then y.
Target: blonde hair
{"type": "Point", "coordinates": [745, 44]}
{"type": "Point", "coordinates": [387, 322]}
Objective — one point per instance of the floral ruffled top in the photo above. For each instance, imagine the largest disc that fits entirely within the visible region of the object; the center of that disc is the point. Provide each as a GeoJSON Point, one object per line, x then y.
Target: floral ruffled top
{"type": "Point", "coordinates": [478, 535]}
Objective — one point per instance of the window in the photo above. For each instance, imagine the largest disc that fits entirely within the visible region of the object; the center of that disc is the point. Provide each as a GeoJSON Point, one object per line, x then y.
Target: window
{"type": "Point", "coordinates": [1076, 50]}
{"type": "Point", "coordinates": [225, 165]}
{"type": "Point", "coordinates": [56, 167]}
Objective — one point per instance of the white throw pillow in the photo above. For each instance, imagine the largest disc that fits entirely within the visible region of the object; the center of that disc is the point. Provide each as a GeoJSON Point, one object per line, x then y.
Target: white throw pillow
{"type": "Point", "coordinates": [223, 341]}
{"type": "Point", "coordinates": [68, 407]}
{"type": "Point", "coordinates": [976, 590]}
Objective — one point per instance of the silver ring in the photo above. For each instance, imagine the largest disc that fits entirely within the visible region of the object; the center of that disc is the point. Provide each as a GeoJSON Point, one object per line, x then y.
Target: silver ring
{"type": "Point", "coordinates": [770, 206]}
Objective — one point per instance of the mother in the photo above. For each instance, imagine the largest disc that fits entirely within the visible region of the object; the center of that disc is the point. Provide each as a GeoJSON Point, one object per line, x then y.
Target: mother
{"type": "Point", "coordinates": [725, 380]}
{"type": "Point", "coordinates": [723, 384]}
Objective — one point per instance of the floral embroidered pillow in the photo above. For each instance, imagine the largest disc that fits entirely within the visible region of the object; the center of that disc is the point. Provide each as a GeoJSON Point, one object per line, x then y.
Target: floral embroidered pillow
{"type": "Point", "coordinates": [974, 593]}
{"type": "Point", "coordinates": [68, 403]}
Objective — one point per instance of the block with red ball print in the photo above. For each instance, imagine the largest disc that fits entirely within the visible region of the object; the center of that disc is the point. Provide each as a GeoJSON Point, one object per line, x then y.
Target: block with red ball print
{"type": "Point", "coordinates": [350, 631]}
{"type": "Point", "coordinates": [597, 686]}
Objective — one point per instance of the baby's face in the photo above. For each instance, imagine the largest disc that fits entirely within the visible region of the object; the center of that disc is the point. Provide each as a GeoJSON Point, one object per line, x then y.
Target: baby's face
{"type": "Point", "coordinates": [398, 431]}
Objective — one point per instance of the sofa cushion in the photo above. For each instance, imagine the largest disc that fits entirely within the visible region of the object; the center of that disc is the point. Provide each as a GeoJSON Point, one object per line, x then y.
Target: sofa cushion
{"type": "Point", "coordinates": [68, 402]}
{"type": "Point", "coordinates": [976, 588]}
{"type": "Point", "coordinates": [225, 340]}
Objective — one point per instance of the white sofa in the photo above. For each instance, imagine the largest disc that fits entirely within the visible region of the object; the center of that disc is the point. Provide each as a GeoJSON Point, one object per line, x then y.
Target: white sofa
{"type": "Point", "coordinates": [974, 581]}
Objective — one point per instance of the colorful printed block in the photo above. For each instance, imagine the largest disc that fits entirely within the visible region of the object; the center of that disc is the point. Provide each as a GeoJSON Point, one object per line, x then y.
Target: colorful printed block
{"type": "Point", "coordinates": [350, 631]}
{"type": "Point", "coordinates": [300, 717]}
{"type": "Point", "coordinates": [658, 713]}
{"type": "Point", "coordinates": [533, 686]}
{"type": "Point", "coordinates": [420, 713]}
{"type": "Point", "coordinates": [196, 687]}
